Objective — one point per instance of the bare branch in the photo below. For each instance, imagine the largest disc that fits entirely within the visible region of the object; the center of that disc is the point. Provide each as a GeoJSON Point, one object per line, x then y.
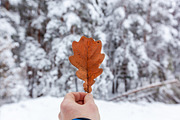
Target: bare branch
{"type": "Point", "coordinates": [146, 87]}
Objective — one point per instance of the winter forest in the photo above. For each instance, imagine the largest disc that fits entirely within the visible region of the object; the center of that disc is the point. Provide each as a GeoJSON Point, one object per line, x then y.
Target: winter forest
{"type": "Point", "coordinates": [140, 38]}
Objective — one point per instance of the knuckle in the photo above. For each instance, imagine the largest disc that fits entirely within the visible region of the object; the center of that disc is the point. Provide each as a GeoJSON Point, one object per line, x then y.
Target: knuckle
{"type": "Point", "coordinates": [64, 105]}
{"type": "Point", "coordinates": [59, 115]}
{"type": "Point", "coordinates": [69, 93]}
{"type": "Point", "coordinates": [93, 106]}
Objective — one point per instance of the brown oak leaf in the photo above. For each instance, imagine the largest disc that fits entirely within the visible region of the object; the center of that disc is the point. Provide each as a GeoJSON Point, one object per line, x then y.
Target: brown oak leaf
{"type": "Point", "coordinates": [87, 58]}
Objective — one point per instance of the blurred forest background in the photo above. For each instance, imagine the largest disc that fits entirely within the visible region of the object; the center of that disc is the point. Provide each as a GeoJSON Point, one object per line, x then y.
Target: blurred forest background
{"type": "Point", "coordinates": [141, 40]}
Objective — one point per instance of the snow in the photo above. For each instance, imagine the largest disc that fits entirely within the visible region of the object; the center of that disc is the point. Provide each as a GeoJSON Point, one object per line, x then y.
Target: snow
{"type": "Point", "coordinates": [37, 22]}
{"type": "Point", "coordinates": [15, 2]}
{"type": "Point", "coordinates": [119, 13]}
{"type": "Point", "coordinates": [55, 8]}
{"type": "Point", "coordinates": [72, 19]}
{"type": "Point", "coordinates": [36, 41]}
{"type": "Point", "coordinates": [13, 16]}
{"type": "Point", "coordinates": [94, 14]}
{"type": "Point", "coordinates": [47, 108]}
{"type": "Point", "coordinates": [34, 55]}
{"type": "Point", "coordinates": [6, 28]}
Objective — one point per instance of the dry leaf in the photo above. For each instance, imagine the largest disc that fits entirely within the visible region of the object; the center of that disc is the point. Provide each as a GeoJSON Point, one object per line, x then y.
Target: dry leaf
{"type": "Point", "coordinates": [87, 58]}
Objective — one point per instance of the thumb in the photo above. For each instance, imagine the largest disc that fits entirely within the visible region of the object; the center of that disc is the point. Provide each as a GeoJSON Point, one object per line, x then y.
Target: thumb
{"type": "Point", "coordinates": [88, 98]}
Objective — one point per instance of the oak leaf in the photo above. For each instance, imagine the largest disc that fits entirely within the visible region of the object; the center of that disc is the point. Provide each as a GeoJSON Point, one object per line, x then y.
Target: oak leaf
{"type": "Point", "coordinates": [87, 58]}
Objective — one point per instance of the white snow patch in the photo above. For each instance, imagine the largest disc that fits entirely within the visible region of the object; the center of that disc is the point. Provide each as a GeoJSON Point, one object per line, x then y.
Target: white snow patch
{"type": "Point", "coordinates": [15, 2]}
{"type": "Point", "coordinates": [55, 7]}
{"type": "Point", "coordinates": [47, 108]}
{"type": "Point", "coordinates": [72, 19]}
{"type": "Point", "coordinates": [6, 28]}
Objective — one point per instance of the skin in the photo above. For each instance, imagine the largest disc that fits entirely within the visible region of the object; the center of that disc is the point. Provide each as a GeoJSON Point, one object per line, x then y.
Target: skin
{"type": "Point", "coordinates": [77, 105]}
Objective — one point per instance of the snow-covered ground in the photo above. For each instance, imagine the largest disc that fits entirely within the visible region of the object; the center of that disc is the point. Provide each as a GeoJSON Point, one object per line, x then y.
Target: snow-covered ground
{"type": "Point", "coordinates": [47, 108]}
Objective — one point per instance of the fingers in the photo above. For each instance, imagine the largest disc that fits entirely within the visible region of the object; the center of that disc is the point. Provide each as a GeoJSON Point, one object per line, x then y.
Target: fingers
{"type": "Point", "coordinates": [79, 96]}
{"type": "Point", "coordinates": [75, 96]}
{"type": "Point", "coordinates": [81, 102]}
{"type": "Point", "coordinates": [88, 98]}
{"type": "Point", "coordinates": [78, 104]}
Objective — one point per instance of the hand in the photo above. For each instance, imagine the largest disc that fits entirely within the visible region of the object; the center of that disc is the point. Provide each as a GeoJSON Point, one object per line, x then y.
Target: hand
{"type": "Point", "coordinates": [77, 105]}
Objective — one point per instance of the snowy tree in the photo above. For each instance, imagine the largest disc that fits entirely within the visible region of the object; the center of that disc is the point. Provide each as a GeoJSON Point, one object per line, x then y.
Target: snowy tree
{"type": "Point", "coordinates": [12, 84]}
{"type": "Point", "coordinates": [141, 41]}
{"type": "Point", "coordinates": [132, 33]}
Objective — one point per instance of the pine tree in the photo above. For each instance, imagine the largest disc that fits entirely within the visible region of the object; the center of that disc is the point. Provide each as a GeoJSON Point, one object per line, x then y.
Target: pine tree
{"type": "Point", "coordinates": [12, 84]}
